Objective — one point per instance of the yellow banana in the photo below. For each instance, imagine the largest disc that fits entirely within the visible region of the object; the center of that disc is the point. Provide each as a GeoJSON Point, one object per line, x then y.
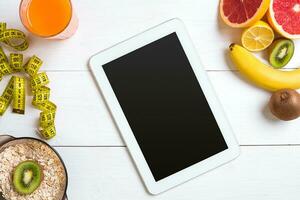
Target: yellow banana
{"type": "Point", "coordinates": [261, 74]}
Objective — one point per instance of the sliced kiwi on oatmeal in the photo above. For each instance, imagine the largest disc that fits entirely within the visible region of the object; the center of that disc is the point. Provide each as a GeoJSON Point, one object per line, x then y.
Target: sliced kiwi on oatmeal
{"type": "Point", "coordinates": [27, 177]}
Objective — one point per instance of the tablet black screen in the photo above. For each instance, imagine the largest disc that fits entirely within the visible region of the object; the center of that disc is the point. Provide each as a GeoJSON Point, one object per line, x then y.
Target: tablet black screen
{"type": "Point", "coordinates": [165, 106]}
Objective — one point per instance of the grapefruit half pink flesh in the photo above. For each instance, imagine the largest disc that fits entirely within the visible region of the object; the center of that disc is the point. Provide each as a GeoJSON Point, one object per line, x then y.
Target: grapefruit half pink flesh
{"type": "Point", "coordinates": [287, 15]}
{"type": "Point", "coordinates": [242, 13]}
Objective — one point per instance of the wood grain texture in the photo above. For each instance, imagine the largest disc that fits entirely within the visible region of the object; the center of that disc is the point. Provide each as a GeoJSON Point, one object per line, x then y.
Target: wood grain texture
{"type": "Point", "coordinates": [82, 113]}
{"type": "Point", "coordinates": [259, 173]}
{"type": "Point", "coordinates": [106, 171]}
{"type": "Point", "coordinates": [104, 23]}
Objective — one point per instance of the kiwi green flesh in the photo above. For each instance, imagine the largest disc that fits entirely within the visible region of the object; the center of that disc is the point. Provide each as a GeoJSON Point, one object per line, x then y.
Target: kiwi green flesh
{"type": "Point", "coordinates": [27, 177]}
{"type": "Point", "coordinates": [281, 54]}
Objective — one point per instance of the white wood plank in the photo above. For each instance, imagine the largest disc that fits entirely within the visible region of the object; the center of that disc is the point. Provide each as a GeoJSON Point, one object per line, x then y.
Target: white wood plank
{"type": "Point", "coordinates": [246, 108]}
{"type": "Point", "coordinates": [104, 23]}
{"type": "Point", "coordinates": [83, 118]}
{"type": "Point", "coordinates": [259, 173]}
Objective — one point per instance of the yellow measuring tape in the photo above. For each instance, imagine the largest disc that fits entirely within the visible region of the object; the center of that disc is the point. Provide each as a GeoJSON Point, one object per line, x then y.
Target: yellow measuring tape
{"type": "Point", "coordinates": [19, 95]}
{"type": "Point", "coordinates": [39, 80]}
{"type": "Point", "coordinates": [15, 89]}
{"type": "Point", "coordinates": [40, 95]}
{"type": "Point", "coordinates": [8, 93]}
{"type": "Point", "coordinates": [33, 66]}
{"type": "Point", "coordinates": [13, 38]}
{"type": "Point", "coordinates": [16, 62]}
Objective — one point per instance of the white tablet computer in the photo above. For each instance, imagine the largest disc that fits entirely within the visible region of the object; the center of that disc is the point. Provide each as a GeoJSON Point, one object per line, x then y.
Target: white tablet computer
{"type": "Point", "coordinates": [164, 106]}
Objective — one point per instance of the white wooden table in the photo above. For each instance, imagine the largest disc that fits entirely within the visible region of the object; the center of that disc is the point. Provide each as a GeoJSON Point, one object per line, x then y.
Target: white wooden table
{"type": "Point", "coordinates": [97, 160]}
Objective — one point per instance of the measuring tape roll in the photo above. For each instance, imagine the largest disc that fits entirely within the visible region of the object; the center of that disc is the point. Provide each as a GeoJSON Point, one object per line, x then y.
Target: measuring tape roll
{"type": "Point", "coordinates": [5, 69]}
{"type": "Point", "coordinates": [48, 132]}
{"type": "Point", "coordinates": [19, 95]}
{"type": "Point", "coordinates": [3, 105]}
{"type": "Point", "coordinates": [6, 96]}
{"type": "Point", "coordinates": [40, 89]}
{"type": "Point", "coordinates": [15, 89]}
{"type": "Point", "coordinates": [45, 106]}
{"type": "Point", "coordinates": [9, 90]}
{"type": "Point", "coordinates": [41, 95]}
{"type": "Point", "coordinates": [16, 62]}
{"type": "Point", "coordinates": [13, 38]}
{"type": "Point", "coordinates": [3, 57]}
{"type": "Point", "coordinates": [39, 80]}
{"type": "Point", "coordinates": [47, 119]}
{"type": "Point", "coordinates": [33, 65]}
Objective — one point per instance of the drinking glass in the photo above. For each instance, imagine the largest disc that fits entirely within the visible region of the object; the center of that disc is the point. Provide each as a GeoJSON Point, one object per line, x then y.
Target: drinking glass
{"type": "Point", "coordinates": [50, 19]}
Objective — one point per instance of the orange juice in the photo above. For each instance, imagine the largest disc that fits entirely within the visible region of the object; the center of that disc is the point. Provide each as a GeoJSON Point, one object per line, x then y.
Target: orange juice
{"type": "Point", "coordinates": [46, 18]}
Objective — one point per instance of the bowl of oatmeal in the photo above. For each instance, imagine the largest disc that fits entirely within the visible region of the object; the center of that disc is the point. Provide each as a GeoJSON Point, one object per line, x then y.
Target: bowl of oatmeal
{"type": "Point", "coordinates": [53, 178]}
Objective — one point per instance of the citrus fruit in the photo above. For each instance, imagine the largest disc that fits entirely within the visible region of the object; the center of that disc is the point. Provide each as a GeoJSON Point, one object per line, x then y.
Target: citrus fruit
{"type": "Point", "coordinates": [284, 16]}
{"type": "Point", "coordinates": [258, 37]}
{"type": "Point", "coordinates": [242, 13]}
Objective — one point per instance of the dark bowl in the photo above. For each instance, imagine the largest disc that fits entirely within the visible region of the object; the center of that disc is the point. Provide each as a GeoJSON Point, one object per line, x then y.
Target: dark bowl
{"type": "Point", "coordinates": [9, 140]}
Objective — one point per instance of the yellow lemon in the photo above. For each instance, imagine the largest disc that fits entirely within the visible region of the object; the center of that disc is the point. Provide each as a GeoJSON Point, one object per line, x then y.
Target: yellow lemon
{"type": "Point", "coordinates": [258, 37]}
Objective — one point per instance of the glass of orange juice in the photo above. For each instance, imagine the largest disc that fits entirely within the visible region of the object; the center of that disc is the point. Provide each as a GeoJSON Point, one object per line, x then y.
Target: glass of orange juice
{"type": "Point", "coordinates": [51, 19]}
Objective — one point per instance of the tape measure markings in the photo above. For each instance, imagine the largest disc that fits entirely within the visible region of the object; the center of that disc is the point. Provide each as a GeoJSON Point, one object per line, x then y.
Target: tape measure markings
{"type": "Point", "coordinates": [41, 95]}
{"type": "Point", "coordinates": [3, 105]}
{"type": "Point", "coordinates": [13, 38]}
{"type": "Point", "coordinates": [33, 65]}
{"type": "Point", "coordinates": [15, 89]}
{"type": "Point", "coordinates": [5, 68]}
{"type": "Point", "coordinates": [45, 106]}
{"type": "Point", "coordinates": [16, 62]}
{"type": "Point", "coordinates": [3, 57]}
{"type": "Point", "coordinates": [6, 96]}
{"type": "Point", "coordinates": [47, 119]}
{"type": "Point", "coordinates": [9, 90]}
{"type": "Point", "coordinates": [40, 79]}
{"type": "Point", "coordinates": [19, 95]}
{"type": "Point", "coordinates": [48, 132]}
{"type": "Point", "coordinates": [40, 89]}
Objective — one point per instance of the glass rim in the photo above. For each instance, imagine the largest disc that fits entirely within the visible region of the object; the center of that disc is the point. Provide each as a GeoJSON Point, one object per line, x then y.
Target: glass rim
{"type": "Point", "coordinates": [44, 36]}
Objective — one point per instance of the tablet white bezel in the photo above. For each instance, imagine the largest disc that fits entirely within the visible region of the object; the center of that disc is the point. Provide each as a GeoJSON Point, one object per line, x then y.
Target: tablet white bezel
{"type": "Point", "coordinates": [132, 44]}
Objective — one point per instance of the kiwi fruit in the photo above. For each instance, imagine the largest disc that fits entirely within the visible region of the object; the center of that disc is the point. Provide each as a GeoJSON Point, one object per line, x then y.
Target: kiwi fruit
{"type": "Point", "coordinates": [285, 104]}
{"type": "Point", "coordinates": [282, 51]}
{"type": "Point", "coordinates": [27, 177]}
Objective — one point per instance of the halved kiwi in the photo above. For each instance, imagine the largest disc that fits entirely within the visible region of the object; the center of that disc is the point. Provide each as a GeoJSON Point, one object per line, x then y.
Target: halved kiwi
{"type": "Point", "coordinates": [27, 177]}
{"type": "Point", "coordinates": [282, 51]}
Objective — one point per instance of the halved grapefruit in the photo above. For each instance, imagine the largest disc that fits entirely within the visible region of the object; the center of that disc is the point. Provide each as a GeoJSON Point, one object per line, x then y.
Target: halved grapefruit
{"type": "Point", "coordinates": [284, 17]}
{"type": "Point", "coordinates": [243, 13]}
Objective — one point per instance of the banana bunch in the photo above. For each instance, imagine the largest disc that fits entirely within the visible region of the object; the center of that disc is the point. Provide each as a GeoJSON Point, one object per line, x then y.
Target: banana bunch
{"type": "Point", "coordinates": [261, 74]}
